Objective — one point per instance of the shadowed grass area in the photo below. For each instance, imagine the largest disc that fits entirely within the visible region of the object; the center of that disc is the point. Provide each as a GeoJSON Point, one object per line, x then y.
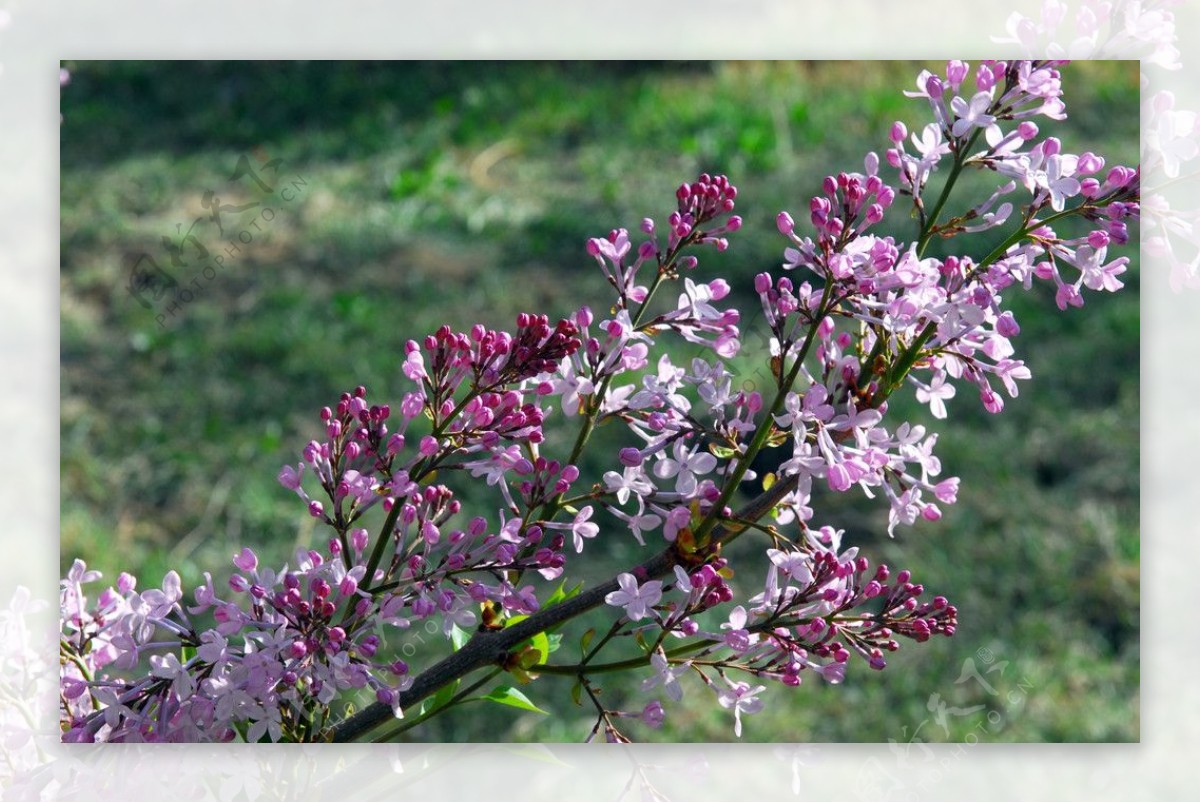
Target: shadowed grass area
{"type": "Point", "coordinates": [424, 194]}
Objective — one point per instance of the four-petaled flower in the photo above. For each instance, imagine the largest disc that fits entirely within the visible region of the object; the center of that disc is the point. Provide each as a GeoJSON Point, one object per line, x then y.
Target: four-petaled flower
{"type": "Point", "coordinates": [686, 465]}
{"type": "Point", "coordinates": [581, 528]}
{"type": "Point", "coordinates": [743, 700]}
{"type": "Point", "coordinates": [935, 394]}
{"type": "Point", "coordinates": [666, 675]}
{"type": "Point", "coordinates": [633, 480]}
{"type": "Point", "coordinates": [636, 601]}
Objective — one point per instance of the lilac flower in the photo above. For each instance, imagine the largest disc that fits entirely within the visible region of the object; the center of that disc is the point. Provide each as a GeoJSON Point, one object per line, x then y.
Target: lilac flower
{"type": "Point", "coordinates": [743, 700]}
{"type": "Point", "coordinates": [738, 638]}
{"type": "Point", "coordinates": [161, 602]}
{"type": "Point", "coordinates": [971, 114]}
{"type": "Point", "coordinates": [636, 600]}
{"type": "Point", "coordinates": [582, 528]}
{"type": "Point", "coordinates": [571, 388]}
{"type": "Point", "coordinates": [632, 480]}
{"type": "Point", "coordinates": [794, 564]}
{"type": "Point", "coordinates": [685, 467]}
{"type": "Point", "coordinates": [666, 675]}
{"type": "Point", "coordinates": [1057, 180]}
{"type": "Point", "coordinates": [639, 522]}
{"type": "Point", "coordinates": [935, 394]}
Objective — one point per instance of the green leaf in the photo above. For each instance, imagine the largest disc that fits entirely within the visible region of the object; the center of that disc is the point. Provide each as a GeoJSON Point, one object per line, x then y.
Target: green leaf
{"type": "Point", "coordinates": [577, 692]}
{"type": "Point", "coordinates": [441, 698]}
{"type": "Point", "coordinates": [586, 641]}
{"type": "Point", "coordinates": [458, 637]}
{"type": "Point", "coordinates": [563, 593]}
{"type": "Point", "coordinates": [541, 643]}
{"type": "Point", "coordinates": [555, 640]}
{"type": "Point", "coordinates": [507, 695]}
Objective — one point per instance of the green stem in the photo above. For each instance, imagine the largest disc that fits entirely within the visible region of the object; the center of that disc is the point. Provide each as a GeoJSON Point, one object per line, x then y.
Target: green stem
{"type": "Point", "coordinates": [617, 666]}
{"type": "Point", "coordinates": [960, 159]}
{"type": "Point", "coordinates": [457, 699]}
{"type": "Point", "coordinates": [768, 423]}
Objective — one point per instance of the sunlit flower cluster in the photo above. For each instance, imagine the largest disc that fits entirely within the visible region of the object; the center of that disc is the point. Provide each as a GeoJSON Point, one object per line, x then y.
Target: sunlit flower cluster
{"type": "Point", "coordinates": [856, 316]}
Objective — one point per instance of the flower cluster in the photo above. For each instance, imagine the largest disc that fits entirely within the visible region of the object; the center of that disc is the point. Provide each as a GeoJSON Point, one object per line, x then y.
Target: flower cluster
{"type": "Point", "coordinates": [865, 316]}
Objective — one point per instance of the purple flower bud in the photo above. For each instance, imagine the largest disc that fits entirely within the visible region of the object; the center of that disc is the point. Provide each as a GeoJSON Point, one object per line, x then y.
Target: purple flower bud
{"type": "Point", "coordinates": [785, 223]}
{"type": "Point", "coordinates": [246, 560]}
{"type": "Point", "coordinates": [1006, 325]}
{"type": "Point", "coordinates": [653, 714]}
{"type": "Point", "coordinates": [934, 87]}
{"type": "Point", "coordinates": [946, 491]}
{"type": "Point", "coordinates": [290, 477]}
{"type": "Point", "coordinates": [631, 457]}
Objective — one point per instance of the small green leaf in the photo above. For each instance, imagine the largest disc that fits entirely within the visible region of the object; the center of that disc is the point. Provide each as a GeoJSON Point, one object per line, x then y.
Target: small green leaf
{"type": "Point", "coordinates": [586, 641]}
{"type": "Point", "coordinates": [458, 637]}
{"type": "Point", "coordinates": [441, 698]}
{"type": "Point", "coordinates": [507, 695]}
{"type": "Point", "coordinates": [555, 640]}
{"type": "Point", "coordinates": [577, 692]}
{"type": "Point", "coordinates": [563, 593]}
{"type": "Point", "coordinates": [541, 643]}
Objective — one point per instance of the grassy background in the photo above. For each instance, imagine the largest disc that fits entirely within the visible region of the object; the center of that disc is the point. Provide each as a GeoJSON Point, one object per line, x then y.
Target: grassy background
{"type": "Point", "coordinates": [461, 192]}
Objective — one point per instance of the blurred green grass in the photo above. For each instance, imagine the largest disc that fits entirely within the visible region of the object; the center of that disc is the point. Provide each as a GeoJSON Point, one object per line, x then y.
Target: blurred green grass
{"type": "Point", "coordinates": [460, 192]}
